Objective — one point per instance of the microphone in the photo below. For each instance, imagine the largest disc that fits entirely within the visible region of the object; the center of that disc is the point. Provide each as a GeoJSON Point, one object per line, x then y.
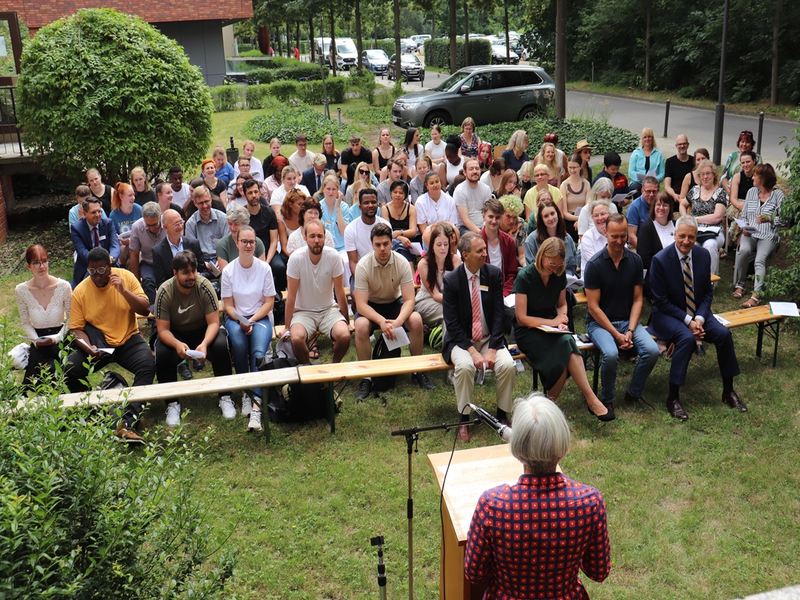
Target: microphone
{"type": "Point", "coordinates": [504, 431]}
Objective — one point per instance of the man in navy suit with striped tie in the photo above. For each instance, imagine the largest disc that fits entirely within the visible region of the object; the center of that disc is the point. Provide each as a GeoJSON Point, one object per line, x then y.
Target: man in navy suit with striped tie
{"type": "Point", "coordinates": [680, 278]}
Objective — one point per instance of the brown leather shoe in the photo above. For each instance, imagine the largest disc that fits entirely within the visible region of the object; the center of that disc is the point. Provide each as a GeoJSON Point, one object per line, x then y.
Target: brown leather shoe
{"type": "Point", "coordinates": [676, 410]}
{"type": "Point", "coordinates": [640, 401]}
{"type": "Point", "coordinates": [732, 399]}
{"type": "Point", "coordinates": [464, 434]}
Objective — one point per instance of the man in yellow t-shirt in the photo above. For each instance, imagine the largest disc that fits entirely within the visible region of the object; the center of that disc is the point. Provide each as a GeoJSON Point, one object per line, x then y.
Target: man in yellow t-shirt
{"type": "Point", "coordinates": [103, 321]}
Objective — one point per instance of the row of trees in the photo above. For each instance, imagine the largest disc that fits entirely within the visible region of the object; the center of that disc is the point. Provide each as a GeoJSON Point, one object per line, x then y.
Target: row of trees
{"type": "Point", "coordinates": [653, 44]}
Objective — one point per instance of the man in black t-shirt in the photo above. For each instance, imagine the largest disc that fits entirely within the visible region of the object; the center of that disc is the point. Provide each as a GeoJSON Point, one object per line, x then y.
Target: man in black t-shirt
{"type": "Point", "coordinates": [265, 224]}
{"type": "Point", "coordinates": [353, 155]}
{"type": "Point", "coordinates": [677, 167]}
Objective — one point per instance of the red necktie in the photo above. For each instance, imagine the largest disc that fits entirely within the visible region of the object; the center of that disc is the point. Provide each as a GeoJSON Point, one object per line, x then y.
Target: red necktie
{"type": "Point", "coordinates": [96, 238]}
{"type": "Point", "coordinates": [477, 330]}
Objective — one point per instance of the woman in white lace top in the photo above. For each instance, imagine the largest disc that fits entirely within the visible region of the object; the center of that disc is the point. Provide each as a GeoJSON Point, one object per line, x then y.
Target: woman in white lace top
{"type": "Point", "coordinates": [44, 303]}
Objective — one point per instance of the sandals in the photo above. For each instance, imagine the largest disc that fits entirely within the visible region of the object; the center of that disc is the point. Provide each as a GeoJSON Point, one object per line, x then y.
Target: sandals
{"type": "Point", "coordinates": [752, 302]}
{"type": "Point", "coordinates": [313, 348]}
{"type": "Point", "coordinates": [738, 293]}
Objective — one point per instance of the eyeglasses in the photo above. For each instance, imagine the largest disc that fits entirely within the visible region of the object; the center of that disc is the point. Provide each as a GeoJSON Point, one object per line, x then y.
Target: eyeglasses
{"type": "Point", "coordinates": [100, 271]}
{"type": "Point", "coordinates": [40, 263]}
{"type": "Point", "coordinates": [177, 224]}
{"type": "Point", "coordinates": [247, 242]}
{"type": "Point", "coordinates": [363, 172]}
{"type": "Point", "coordinates": [555, 266]}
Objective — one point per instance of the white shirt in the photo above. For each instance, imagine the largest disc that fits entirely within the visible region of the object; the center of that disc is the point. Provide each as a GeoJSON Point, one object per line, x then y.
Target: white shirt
{"type": "Point", "coordinates": [301, 163]}
{"type": "Point", "coordinates": [181, 197]}
{"type": "Point", "coordinates": [592, 242]}
{"type": "Point", "coordinates": [436, 150]}
{"type": "Point", "coordinates": [247, 287]}
{"type": "Point", "coordinates": [356, 236]}
{"type": "Point", "coordinates": [278, 195]}
{"type": "Point", "coordinates": [315, 290]}
{"type": "Point", "coordinates": [256, 170]}
{"type": "Point", "coordinates": [472, 199]}
{"type": "Point", "coordinates": [432, 211]}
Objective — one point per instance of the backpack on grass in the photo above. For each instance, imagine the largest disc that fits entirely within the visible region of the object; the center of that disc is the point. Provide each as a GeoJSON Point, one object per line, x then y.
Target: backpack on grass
{"type": "Point", "coordinates": [386, 383]}
{"type": "Point", "coordinates": [294, 402]}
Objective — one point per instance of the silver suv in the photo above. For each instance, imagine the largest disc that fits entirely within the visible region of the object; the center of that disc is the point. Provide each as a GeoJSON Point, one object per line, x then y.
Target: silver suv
{"type": "Point", "coordinates": [488, 94]}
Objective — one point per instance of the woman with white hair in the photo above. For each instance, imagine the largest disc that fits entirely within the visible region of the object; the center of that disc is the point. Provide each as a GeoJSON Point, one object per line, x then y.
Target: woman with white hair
{"type": "Point", "coordinates": [522, 564]}
{"type": "Point", "coordinates": [603, 188]}
{"type": "Point", "coordinates": [594, 240]}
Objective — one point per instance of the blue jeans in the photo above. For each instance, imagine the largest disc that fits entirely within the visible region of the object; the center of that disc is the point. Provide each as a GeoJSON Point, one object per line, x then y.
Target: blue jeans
{"type": "Point", "coordinates": [644, 345]}
{"type": "Point", "coordinates": [253, 346]}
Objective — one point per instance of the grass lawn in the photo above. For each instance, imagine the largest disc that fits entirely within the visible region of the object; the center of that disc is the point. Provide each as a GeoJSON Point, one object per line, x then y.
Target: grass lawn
{"type": "Point", "coordinates": [703, 509]}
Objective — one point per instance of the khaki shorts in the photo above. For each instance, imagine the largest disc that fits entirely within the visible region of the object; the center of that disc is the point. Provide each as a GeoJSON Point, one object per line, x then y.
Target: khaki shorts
{"type": "Point", "coordinates": [317, 320]}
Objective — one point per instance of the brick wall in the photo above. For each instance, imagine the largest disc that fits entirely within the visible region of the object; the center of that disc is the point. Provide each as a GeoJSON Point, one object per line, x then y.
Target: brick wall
{"type": "Point", "coordinates": [6, 191]}
{"type": "Point", "coordinates": [38, 13]}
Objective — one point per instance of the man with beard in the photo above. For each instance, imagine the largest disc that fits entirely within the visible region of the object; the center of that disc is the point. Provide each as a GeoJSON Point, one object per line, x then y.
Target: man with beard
{"type": "Point", "coordinates": [357, 240]}
{"type": "Point", "coordinates": [315, 274]}
{"type": "Point", "coordinates": [470, 197]}
{"type": "Point", "coordinates": [187, 317]}
{"type": "Point", "coordinates": [103, 318]}
{"type": "Point", "coordinates": [265, 224]}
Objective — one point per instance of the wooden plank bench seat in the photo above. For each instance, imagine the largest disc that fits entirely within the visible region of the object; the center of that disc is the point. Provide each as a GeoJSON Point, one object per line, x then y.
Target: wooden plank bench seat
{"type": "Point", "coordinates": [181, 389]}
{"type": "Point", "coordinates": [762, 317]}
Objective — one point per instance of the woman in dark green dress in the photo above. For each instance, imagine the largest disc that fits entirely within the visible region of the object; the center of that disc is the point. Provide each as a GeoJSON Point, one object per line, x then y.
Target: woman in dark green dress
{"type": "Point", "coordinates": [540, 290]}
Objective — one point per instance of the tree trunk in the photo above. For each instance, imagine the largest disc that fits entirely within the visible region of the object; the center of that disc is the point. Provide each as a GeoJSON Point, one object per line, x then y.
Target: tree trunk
{"type": "Point", "coordinates": [280, 42]}
{"type": "Point", "coordinates": [333, 43]}
{"type": "Point", "coordinates": [466, 34]}
{"type": "Point", "coordinates": [648, 17]}
{"type": "Point", "coordinates": [288, 41]}
{"type": "Point", "coordinates": [311, 36]}
{"type": "Point", "coordinates": [263, 40]}
{"type": "Point", "coordinates": [359, 38]}
{"type": "Point", "coordinates": [561, 59]}
{"type": "Point", "coordinates": [398, 72]}
{"type": "Point", "coordinates": [452, 6]}
{"type": "Point", "coordinates": [505, 25]}
{"type": "Point", "coordinates": [297, 34]}
{"type": "Point", "coordinates": [776, 31]}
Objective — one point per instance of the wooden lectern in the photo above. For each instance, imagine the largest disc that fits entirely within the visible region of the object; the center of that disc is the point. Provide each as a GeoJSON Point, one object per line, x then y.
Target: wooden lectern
{"type": "Point", "coordinates": [471, 473]}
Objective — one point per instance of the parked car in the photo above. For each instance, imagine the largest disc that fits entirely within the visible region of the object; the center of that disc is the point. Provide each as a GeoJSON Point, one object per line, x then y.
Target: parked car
{"type": "Point", "coordinates": [499, 54]}
{"type": "Point", "coordinates": [488, 94]}
{"type": "Point", "coordinates": [346, 53]}
{"type": "Point", "coordinates": [375, 61]}
{"type": "Point", "coordinates": [420, 40]}
{"type": "Point", "coordinates": [408, 45]}
{"type": "Point", "coordinates": [410, 68]}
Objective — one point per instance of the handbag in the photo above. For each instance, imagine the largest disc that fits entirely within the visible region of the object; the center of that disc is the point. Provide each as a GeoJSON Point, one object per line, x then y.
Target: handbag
{"type": "Point", "coordinates": [710, 232]}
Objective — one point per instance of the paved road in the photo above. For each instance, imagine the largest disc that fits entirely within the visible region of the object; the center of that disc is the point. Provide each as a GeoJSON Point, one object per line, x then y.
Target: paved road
{"type": "Point", "coordinates": [696, 123]}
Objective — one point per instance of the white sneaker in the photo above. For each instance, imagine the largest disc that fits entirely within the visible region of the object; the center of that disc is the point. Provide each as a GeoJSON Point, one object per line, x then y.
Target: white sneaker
{"type": "Point", "coordinates": [227, 407]}
{"type": "Point", "coordinates": [255, 421]}
{"type": "Point", "coordinates": [519, 365]}
{"type": "Point", "coordinates": [247, 405]}
{"type": "Point", "coordinates": [173, 414]}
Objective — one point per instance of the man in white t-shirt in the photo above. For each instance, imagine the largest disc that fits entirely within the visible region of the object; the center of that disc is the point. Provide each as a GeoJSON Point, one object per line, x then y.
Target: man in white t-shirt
{"type": "Point", "coordinates": [181, 192]}
{"type": "Point", "coordinates": [469, 198]}
{"type": "Point", "coordinates": [314, 274]}
{"type": "Point", "coordinates": [357, 242]}
{"type": "Point", "coordinates": [301, 159]}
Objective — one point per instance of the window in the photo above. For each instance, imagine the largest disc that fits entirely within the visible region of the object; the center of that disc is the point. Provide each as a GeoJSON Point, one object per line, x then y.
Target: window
{"type": "Point", "coordinates": [530, 78]}
{"type": "Point", "coordinates": [505, 79]}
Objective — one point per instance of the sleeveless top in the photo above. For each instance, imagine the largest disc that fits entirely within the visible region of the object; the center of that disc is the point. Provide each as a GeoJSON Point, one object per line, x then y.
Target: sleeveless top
{"type": "Point", "coordinates": [400, 224]}
{"type": "Point", "coordinates": [452, 170]}
{"type": "Point", "coordinates": [423, 292]}
{"type": "Point", "coordinates": [382, 162]}
{"type": "Point", "coordinates": [745, 184]}
{"type": "Point", "coordinates": [470, 150]}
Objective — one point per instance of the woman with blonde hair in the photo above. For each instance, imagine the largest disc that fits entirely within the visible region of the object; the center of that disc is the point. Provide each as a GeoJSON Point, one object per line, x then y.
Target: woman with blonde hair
{"type": "Point", "coordinates": [575, 191]}
{"type": "Point", "coordinates": [516, 154]}
{"type": "Point", "coordinates": [362, 174]}
{"type": "Point", "coordinates": [526, 181]}
{"type": "Point", "coordinates": [541, 174]}
{"type": "Point", "coordinates": [547, 156]}
{"type": "Point", "coordinates": [644, 159]}
{"type": "Point", "coordinates": [141, 187]}
{"type": "Point", "coordinates": [541, 300]}
{"type": "Point", "coordinates": [707, 203]}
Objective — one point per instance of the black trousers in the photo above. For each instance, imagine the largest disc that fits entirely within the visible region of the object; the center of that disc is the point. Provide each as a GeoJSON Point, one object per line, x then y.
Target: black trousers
{"type": "Point", "coordinates": [167, 359]}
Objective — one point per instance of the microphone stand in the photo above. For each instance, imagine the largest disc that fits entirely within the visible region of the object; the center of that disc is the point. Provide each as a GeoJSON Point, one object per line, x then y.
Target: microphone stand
{"type": "Point", "coordinates": [412, 435]}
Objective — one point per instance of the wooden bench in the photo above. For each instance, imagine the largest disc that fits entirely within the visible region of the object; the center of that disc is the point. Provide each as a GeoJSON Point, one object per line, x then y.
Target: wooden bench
{"type": "Point", "coordinates": [181, 389]}
{"type": "Point", "coordinates": [764, 319]}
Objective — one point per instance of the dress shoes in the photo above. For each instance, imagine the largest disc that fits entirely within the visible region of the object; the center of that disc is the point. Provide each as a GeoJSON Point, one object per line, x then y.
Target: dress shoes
{"type": "Point", "coordinates": [464, 434]}
{"type": "Point", "coordinates": [639, 400]}
{"type": "Point", "coordinates": [676, 410]}
{"type": "Point", "coordinates": [733, 400]}
{"type": "Point", "coordinates": [700, 350]}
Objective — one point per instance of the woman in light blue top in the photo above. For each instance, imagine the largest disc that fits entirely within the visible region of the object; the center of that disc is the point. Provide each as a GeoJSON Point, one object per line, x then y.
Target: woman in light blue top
{"type": "Point", "coordinates": [335, 212]}
{"type": "Point", "coordinates": [646, 158]}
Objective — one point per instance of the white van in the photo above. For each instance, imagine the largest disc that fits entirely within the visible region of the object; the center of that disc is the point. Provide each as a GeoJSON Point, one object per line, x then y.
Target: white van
{"type": "Point", "coordinates": [346, 53]}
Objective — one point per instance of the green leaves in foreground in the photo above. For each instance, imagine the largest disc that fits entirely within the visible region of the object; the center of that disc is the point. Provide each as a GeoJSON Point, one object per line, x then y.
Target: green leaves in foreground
{"type": "Point", "coordinates": [82, 517]}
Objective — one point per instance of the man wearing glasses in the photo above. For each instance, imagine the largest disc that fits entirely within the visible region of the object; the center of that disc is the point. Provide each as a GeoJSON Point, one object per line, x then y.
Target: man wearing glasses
{"type": "Point", "coordinates": [207, 225]}
{"type": "Point", "coordinates": [103, 321]}
{"type": "Point", "coordinates": [677, 167]}
{"type": "Point", "coordinates": [173, 242]}
{"type": "Point", "coordinates": [145, 234]}
{"type": "Point", "coordinates": [614, 282]}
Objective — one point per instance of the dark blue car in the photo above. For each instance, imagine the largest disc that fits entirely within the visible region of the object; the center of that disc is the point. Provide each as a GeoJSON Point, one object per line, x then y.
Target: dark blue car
{"type": "Point", "coordinates": [375, 61]}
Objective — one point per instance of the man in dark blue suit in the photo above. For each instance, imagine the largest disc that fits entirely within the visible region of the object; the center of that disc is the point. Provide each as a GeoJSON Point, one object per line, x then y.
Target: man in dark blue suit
{"type": "Point", "coordinates": [473, 338]}
{"type": "Point", "coordinates": [91, 231]}
{"type": "Point", "coordinates": [680, 278]}
{"type": "Point", "coordinates": [313, 176]}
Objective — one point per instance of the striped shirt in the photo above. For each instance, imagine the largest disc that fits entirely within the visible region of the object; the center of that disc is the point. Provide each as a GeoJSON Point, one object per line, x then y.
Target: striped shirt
{"type": "Point", "coordinates": [754, 207]}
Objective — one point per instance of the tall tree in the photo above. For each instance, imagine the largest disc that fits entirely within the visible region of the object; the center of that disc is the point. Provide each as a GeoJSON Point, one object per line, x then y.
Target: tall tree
{"type": "Point", "coordinates": [451, 4]}
{"type": "Point", "coordinates": [466, 33]}
{"type": "Point", "coordinates": [561, 59]}
{"type": "Point", "coordinates": [776, 32]}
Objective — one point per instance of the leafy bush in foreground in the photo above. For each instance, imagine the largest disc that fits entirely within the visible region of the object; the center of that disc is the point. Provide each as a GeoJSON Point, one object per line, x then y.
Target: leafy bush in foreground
{"type": "Point", "coordinates": [80, 517]}
{"type": "Point", "coordinates": [290, 121]}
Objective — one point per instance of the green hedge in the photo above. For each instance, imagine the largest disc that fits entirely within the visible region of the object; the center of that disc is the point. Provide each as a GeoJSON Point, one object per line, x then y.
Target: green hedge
{"type": "Point", "coordinates": [227, 97]}
{"type": "Point", "coordinates": [386, 45]}
{"type": "Point", "coordinates": [233, 97]}
{"type": "Point", "coordinates": [294, 71]}
{"type": "Point", "coordinates": [285, 125]}
{"type": "Point", "coordinates": [437, 52]}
